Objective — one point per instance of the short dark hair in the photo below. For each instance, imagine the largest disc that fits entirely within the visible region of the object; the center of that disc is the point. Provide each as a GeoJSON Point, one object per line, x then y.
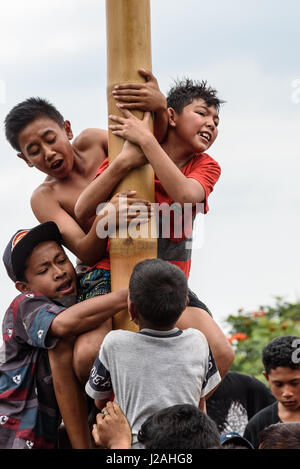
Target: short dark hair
{"type": "Point", "coordinates": [279, 353]}
{"type": "Point", "coordinates": [181, 426]}
{"type": "Point", "coordinates": [26, 112]}
{"type": "Point", "coordinates": [186, 90]}
{"type": "Point", "coordinates": [280, 436]}
{"type": "Point", "coordinates": [159, 291]}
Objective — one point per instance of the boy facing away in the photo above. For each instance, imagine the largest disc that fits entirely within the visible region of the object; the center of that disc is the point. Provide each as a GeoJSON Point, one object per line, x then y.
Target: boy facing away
{"type": "Point", "coordinates": [160, 365]}
{"type": "Point", "coordinates": [282, 371]}
{"type": "Point", "coordinates": [39, 330]}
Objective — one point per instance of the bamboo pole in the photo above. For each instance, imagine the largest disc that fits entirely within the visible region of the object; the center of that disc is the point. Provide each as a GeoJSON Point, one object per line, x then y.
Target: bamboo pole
{"type": "Point", "coordinates": [128, 49]}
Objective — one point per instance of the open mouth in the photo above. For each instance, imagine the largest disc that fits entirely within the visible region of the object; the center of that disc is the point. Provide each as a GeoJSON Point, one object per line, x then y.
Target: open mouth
{"type": "Point", "coordinates": [66, 287]}
{"type": "Point", "coordinates": [205, 135]}
{"type": "Point", "coordinates": [57, 164]}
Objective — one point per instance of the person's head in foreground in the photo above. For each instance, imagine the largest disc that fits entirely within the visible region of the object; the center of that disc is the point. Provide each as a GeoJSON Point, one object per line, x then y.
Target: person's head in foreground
{"type": "Point", "coordinates": [157, 294]}
{"type": "Point", "coordinates": [280, 436]}
{"type": "Point", "coordinates": [179, 427]}
{"type": "Point", "coordinates": [282, 371]}
{"type": "Point", "coordinates": [36, 261]}
{"type": "Point", "coordinates": [234, 440]}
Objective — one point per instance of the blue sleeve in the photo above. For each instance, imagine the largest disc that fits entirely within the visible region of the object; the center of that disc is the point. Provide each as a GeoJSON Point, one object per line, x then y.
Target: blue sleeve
{"type": "Point", "coordinates": [99, 385]}
{"type": "Point", "coordinates": [34, 318]}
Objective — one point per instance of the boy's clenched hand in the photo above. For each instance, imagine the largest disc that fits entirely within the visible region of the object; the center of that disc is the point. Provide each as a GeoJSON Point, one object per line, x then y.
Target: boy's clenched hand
{"type": "Point", "coordinates": [143, 96]}
{"type": "Point", "coordinates": [130, 127]}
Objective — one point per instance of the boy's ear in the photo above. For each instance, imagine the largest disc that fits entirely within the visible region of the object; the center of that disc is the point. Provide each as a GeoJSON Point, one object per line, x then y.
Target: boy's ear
{"type": "Point", "coordinates": [22, 286]}
{"type": "Point", "coordinates": [265, 375]}
{"type": "Point", "coordinates": [132, 310]}
{"type": "Point", "coordinates": [23, 157]}
{"type": "Point", "coordinates": [68, 130]}
{"type": "Point", "coordinates": [172, 117]}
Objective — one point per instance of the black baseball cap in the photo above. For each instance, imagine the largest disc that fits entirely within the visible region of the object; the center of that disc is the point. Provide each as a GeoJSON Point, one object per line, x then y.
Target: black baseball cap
{"type": "Point", "coordinates": [22, 244]}
{"type": "Point", "coordinates": [235, 438]}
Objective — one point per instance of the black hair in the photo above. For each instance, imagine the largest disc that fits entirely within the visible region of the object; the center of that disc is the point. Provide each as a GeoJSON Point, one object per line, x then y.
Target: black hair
{"type": "Point", "coordinates": [236, 443]}
{"type": "Point", "coordinates": [22, 276]}
{"type": "Point", "coordinates": [182, 426]}
{"type": "Point", "coordinates": [26, 112]}
{"type": "Point", "coordinates": [185, 91]}
{"type": "Point", "coordinates": [280, 436]}
{"type": "Point", "coordinates": [159, 291]}
{"type": "Point", "coordinates": [233, 446]}
{"type": "Point", "coordinates": [279, 352]}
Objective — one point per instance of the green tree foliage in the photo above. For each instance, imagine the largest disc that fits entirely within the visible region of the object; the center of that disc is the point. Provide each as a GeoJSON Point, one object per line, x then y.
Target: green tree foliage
{"type": "Point", "coordinates": [251, 331]}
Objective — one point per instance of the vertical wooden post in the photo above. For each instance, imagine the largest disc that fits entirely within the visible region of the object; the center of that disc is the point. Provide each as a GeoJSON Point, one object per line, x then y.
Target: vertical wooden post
{"type": "Point", "coordinates": [128, 49]}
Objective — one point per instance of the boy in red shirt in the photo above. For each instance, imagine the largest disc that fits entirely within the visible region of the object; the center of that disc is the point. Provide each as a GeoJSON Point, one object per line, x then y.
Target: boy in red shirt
{"type": "Point", "coordinates": [184, 174]}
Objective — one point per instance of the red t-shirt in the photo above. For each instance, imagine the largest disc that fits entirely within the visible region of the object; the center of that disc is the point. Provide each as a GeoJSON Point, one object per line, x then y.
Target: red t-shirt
{"type": "Point", "coordinates": [206, 171]}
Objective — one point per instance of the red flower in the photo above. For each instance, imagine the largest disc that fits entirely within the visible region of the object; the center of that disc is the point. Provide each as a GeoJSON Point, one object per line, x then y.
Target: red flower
{"type": "Point", "coordinates": [259, 314]}
{"type": "Point", "coordinates": [239, 336]}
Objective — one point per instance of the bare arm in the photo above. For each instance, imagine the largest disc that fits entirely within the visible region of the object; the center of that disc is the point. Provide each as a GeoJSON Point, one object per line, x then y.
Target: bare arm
{"type": "Point", "coordinates": [202, 404]}
{"type": "Point", "coordinates": [88, 314]}
{"type": "Point", "coordinates": [179, 188]}
{"type": "Point", "coordinates": [93, 143]}
{"type": "Point", "coordinates": [218, 342]}
{"type": "Point", "coordinates": [145, 97]}
{"type": "Point", "coordinates": [100, 188]}
{"type": "Point", "coordinates": [89, 248]}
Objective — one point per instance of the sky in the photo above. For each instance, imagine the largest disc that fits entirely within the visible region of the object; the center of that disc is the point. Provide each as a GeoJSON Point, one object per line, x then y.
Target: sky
{"type": "Point", "coordinates": [247, 50]}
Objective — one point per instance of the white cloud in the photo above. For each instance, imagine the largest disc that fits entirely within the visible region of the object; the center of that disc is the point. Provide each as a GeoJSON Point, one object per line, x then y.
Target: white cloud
{"type": "Point", "coordinates": [246, 50]}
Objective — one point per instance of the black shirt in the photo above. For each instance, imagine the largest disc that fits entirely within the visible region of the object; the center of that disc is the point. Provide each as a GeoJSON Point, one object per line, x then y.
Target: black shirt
{"type": "Point", "coordinates": [236, 400]}
{"type": "Point", "coordinates": [263, 419]}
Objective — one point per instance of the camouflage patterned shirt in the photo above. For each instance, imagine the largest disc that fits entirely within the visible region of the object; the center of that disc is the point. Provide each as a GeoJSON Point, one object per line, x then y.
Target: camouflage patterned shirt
{"type": "Point", "coordinates": [29, 414]}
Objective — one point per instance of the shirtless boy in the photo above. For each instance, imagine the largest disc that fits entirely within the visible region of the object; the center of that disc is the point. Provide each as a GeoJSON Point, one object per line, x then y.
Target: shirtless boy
{"type": "Point", "coordinates": [42, 139]}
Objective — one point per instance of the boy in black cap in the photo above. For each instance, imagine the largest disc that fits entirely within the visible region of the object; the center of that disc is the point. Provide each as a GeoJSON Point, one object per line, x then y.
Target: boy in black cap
{"type": "Point", "coordinates": [39, 329]}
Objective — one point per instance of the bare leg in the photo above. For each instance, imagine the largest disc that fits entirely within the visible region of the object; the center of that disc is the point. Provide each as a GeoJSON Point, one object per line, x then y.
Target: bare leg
{"type": "Point", "coordinates": [86, 348]}
{"type": "Point", "coordinates": [200, 319]}
{"type": "Point", "coordinates": [70, 395]}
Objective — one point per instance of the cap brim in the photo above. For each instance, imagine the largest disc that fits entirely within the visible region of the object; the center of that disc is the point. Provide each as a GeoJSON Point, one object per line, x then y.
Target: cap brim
{"type": "Point", "coordinates": [44, 232]}
{"type": "Point", "coordinates": [235, 439]}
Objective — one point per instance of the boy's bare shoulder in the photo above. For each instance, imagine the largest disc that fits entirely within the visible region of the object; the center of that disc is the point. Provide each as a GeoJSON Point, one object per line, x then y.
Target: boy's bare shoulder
{"type": "Point", "coordinates": [45, 191]}
{"type": "Point", "coordinates": [91, 139]}
{"type": "Point", "coordinates": [50, 202]}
